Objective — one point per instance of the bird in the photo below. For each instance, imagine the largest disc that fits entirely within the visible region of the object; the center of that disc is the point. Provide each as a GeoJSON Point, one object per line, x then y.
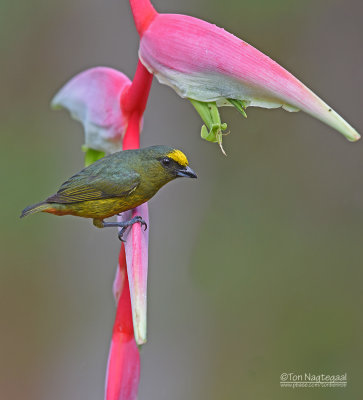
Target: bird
{"type": "Point", "coordinates": [116, 183]}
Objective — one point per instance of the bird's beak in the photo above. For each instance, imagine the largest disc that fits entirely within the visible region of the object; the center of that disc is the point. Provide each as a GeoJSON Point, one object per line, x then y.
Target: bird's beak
{"type": "Point", "coordinates": [187, 172]}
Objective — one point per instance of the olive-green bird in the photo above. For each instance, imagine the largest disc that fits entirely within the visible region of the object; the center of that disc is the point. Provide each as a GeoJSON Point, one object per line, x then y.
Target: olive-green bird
{"type": "Point", "coordinates": [116, 183]}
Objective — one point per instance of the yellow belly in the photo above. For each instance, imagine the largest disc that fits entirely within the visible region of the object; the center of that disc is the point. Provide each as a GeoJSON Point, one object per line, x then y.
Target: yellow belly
{"type": "Point", "coordinates": [98, 209]}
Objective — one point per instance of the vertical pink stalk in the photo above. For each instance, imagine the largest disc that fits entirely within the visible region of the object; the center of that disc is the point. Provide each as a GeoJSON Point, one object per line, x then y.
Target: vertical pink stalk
{"type": "Point", "coordinates": [123, 369]}
{"type": "Point", "coordinates": [133, 103]}
{"type": "Point", "coordinates": [143, 13]}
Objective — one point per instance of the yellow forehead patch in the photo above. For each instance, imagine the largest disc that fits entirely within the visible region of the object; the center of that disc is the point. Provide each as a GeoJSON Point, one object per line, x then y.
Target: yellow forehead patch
{"type": "Point", "coordinates": [178, 157]}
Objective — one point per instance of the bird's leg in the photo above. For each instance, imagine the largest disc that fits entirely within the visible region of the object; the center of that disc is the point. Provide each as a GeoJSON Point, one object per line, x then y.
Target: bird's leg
{"type": "Point", "coordinates": [123, 225]}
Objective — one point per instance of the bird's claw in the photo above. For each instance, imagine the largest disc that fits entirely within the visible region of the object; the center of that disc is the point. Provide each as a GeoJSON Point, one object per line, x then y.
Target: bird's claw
{"type": "Point", "coordinates": [142, 223]}
{"type": "Point", "coordinates": [121, 233]}
{"type": "Point", "coordinates": [130, 223]}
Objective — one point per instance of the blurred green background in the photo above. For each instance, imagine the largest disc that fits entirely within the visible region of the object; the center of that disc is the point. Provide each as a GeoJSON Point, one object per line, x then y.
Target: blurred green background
{"type": "Point", "coordinates": [255, 268]}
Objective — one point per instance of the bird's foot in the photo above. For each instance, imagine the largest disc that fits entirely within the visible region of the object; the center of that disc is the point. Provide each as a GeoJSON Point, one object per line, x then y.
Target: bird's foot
{"type": "Point", "coordinates": [124, 225]}
{"type": "Point", "coordinates": [131, 222]}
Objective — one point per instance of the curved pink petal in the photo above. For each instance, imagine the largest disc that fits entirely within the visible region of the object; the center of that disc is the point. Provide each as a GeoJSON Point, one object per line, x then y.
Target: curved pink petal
{"type": "Point", "coordinates": [204, 62]}
{"type": "Point", "coordinates": [93, 98]}
{"type": "Point", "coordinates": [136, 247]}
{"type": "Point", "coordinates": [123, 367]}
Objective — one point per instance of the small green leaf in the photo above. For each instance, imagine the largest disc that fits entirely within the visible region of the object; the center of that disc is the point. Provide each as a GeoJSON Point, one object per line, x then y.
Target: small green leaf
{"type": "Point", "coordinates": [212, 130]}
{"type": "Point", "coordinates": [214, 113]}
{"type": "Point", "coordinates": [240, 105]}
{"type": "Point", "coordinates": [204, 111]}
{"type": "Point", "coordinates": [207, 135]}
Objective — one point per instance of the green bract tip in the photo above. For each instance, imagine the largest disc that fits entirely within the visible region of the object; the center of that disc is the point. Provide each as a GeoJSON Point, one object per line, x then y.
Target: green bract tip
{"type": "Point", "coordinates": [240, 105]}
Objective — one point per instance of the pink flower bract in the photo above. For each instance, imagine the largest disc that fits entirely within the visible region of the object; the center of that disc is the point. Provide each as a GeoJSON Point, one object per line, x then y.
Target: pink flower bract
{"type": "Point", "coordinates": [93, 97]}
{"type": "Point", "coordinates": [136, 247]}
{"type": "Point", "coordinates": [204, 62]}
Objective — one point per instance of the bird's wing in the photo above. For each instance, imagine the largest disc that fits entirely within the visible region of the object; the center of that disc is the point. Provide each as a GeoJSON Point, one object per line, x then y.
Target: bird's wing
{"type": "Point", "coordinates": [85, 186]}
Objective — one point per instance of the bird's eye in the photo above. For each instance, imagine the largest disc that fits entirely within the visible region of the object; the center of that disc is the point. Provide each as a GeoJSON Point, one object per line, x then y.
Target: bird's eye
{"type": "Point", "coordinates": [165, 161]}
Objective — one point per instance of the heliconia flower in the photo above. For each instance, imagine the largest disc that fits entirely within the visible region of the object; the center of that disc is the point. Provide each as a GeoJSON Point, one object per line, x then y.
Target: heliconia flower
{"type": "Point", "coordinates": [93, 97]}
{"type": "Point", "coordinates": [136, 247]}
{"type": "Point", "coordinates": [203, 62]}
{"type": "Point", "coordinates": [123, 367]}
{"type": "Point", "coordinates": [101, 100]}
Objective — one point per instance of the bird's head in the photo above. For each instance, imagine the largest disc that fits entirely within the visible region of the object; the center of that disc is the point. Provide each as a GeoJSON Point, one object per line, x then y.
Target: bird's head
{"type": "Point", "coordinates": [167, 163]}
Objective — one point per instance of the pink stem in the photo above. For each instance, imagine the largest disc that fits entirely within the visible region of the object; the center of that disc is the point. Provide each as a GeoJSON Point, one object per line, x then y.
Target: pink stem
{"type": "Point", "coordinates": [132, 135]}
{"type": "Point", "coordinates": [143, 13]}
{"type": "Point", "coordinates": [133, 102]}
{"type": "Point", "coordinates": [122, 379]}
{"type": "Point", "coordinates": [123, 321]}
{"type": "Point", "coordinates": [135, 96]}
{"type": "Point", "coordinates": [123, 370]}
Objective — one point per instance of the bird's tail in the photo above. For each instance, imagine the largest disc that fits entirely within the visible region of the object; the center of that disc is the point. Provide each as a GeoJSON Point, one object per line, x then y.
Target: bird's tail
{"type": "Point", "coordinates": [34, 209]}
